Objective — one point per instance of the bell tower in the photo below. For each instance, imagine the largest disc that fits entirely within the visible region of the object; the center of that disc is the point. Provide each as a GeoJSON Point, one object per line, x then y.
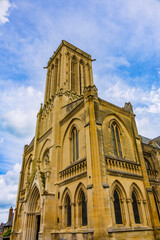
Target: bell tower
{"type": "Point", "coordinates": [68, 70]}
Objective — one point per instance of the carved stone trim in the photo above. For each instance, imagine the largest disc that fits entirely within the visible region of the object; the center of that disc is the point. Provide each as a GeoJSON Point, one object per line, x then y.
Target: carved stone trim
{"type": "Point", "coordinates": [89, 186]}
{"type": "Point", "coordinates": [87, 124]}
{"type": "Point", "coordinates": [149, 189]}
{"type": "Point", "coordinates": [105, 185]}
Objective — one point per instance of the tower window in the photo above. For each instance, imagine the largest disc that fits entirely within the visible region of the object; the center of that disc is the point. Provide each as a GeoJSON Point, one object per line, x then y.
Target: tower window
{"type": "Point", "coordinates": [116, 140]}
{"type": "Point", "coordinates": [80, 78]}
{"type": "Point", "coordinates": [135, 208]}
{"type": "Point", "coordinates": [73, 74]}
{"type": "Point", "coordinates": [117, 208]}
{"type": "Point", "coordinates": [75, 144]}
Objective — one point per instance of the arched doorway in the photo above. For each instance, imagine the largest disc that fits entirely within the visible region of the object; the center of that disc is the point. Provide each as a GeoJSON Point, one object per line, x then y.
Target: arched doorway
{"type": "Point", "coordinates": [33, 218]}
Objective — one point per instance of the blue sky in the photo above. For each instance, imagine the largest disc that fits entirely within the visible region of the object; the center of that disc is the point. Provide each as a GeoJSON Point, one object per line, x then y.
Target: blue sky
{"type": "Point", "coordinates": [124, 38]}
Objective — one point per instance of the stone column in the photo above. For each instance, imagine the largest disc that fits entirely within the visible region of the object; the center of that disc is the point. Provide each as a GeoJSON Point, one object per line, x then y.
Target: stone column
{"type": "Point", "coordinates": [144, 213]}
{"type": "Point", "coordinates": [113, 212]}
{"type": "Point", "coordinates": [132, 222]}
{"type": "Point", "coordinates": [127, 223]}
{"type": "Point", "coordinates": [73, 222]}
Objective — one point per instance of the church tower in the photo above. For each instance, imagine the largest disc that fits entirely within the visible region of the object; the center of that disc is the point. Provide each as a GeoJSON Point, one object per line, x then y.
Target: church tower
{"type": "Point", "coordinates": [83, 175]}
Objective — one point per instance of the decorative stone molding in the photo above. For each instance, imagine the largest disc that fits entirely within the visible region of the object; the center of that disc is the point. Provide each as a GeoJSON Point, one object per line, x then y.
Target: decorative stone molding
{"type": "Point", "coordinates": [105, 185]}
{"type": "Point", "coordinates": [89, 186]}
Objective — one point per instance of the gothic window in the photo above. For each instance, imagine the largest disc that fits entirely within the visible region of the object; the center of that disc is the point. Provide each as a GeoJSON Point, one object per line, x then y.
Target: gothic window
{"type": "Point", "coordinates": [148, 165]}
{"type": "Point", "coordinates": [80, 78]}
{"type": "Point", "coordinates": [135, 208]}
{"type": "Point", "coordinates": [75, 144]}
{"type": "Point", "coordinates": [84, 210]}
{"type": "Point", "coordinates": [156, 202]}
{"type": "Point", "coordinates": [29, 167]}
{"type": "Point", "coordinates": [46, 159]}
{"type": "Point", "coordinates": [117, 208]}
{"type": "Point", "coordinates": [116, 140]}
{"type": "Point", "coordinates": [73, 74]}
{"type": "Point", "coordinates": [68, 205]}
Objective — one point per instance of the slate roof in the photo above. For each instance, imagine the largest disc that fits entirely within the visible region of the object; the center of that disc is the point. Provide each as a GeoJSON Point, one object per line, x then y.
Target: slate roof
{"type": "Point", "coordinates": [145, 140]}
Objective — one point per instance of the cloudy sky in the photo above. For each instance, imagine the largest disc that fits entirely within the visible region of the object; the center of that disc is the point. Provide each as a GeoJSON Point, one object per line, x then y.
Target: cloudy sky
{"type": "Point", "coordinates": [124, 38]}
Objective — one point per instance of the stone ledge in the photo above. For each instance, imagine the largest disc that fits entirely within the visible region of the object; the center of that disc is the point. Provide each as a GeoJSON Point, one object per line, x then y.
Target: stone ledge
{"type": "Point", "coordinates": [124, 174]}
{"type": "Point", "coordinates": [71, 179]}
{"type": "Point", "coordinates": [73, 231]}
{"type": "Point", "coordinates": [125, 229]}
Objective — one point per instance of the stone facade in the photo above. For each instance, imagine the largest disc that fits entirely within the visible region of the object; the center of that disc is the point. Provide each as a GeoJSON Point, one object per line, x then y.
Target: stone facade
{"type": "Point", "coordinates": [86, 174]}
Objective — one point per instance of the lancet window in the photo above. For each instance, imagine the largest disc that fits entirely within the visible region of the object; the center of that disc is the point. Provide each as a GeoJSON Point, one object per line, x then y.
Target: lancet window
{"type": "Point", "coordinates": [117, 208]}
{"type": "Point", "coordinates": [73, 74]}
{"type": "Point", "coordinates": [116, 140]}
{"type": "Point", "coordinates": [135, 208]}
{"type": "Point", "coordinates": [68, 206]}
{"type": "Point", "coordinates": [80, 78]}
{"type": "Point", "coordinates": [84, 209]}
{"type": "Point", "coordinates": [148, 165]}
{"type": "Point", "coordinates": [29, 167]}
{"type": "Point", "coordinates": [156, 202]}
{"type": "Point", "coordinates": [75, 144]}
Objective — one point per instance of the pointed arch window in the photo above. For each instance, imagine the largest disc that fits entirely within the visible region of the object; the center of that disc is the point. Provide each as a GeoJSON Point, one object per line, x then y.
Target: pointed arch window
{"type": "Point", "coordinates": [73, 74]}
{"type": "Point", "coordinates": [68, 205]}
{"type": "Point", "coordinates": [75, 144]}
{"type": "Point", "coordinates": [116, 140]}
{"type": "Point", "coordinates": [80, 78]}
{"type": "Point", "coordinates": [30, 167]}
{"type": "Point", "coordinates": [117, 208]}
{"type": "Point", "coordinates": [148, 165]}
{"type": "Point", "coordinates": [135, 208]}
{"type": "Point", "coordinates": [84, 209]}
{"type": "Point", "coordinates": [156, 202]}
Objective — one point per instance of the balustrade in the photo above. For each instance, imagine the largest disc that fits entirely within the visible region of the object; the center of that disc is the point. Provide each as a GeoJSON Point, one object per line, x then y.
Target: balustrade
{"type": "Point", "coordinates": [74, 169]}
{"type": "Point", "coordinates": [122, 165]}
{"type": "Point", "coordinates": [152, 174]}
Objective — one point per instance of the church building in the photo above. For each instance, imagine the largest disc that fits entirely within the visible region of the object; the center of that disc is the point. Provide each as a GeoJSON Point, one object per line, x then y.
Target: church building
{"type": "Point", "coordinates": [87, 174]}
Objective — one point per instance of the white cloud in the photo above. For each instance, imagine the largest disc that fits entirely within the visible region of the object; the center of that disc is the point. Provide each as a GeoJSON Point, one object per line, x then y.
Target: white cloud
{"type": "Point", "coordinates": [146, 103]}
{"type": "Point", "coordinates": [4, 212]}
{"type": "Point", "coordinates": [9, 187]}
{"type": "Point", "coordinates": [114, 62]}
{"type": "Point", "coordinates": [19, 106]}
{"type": "Point", "coordinates": [5, 5]}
